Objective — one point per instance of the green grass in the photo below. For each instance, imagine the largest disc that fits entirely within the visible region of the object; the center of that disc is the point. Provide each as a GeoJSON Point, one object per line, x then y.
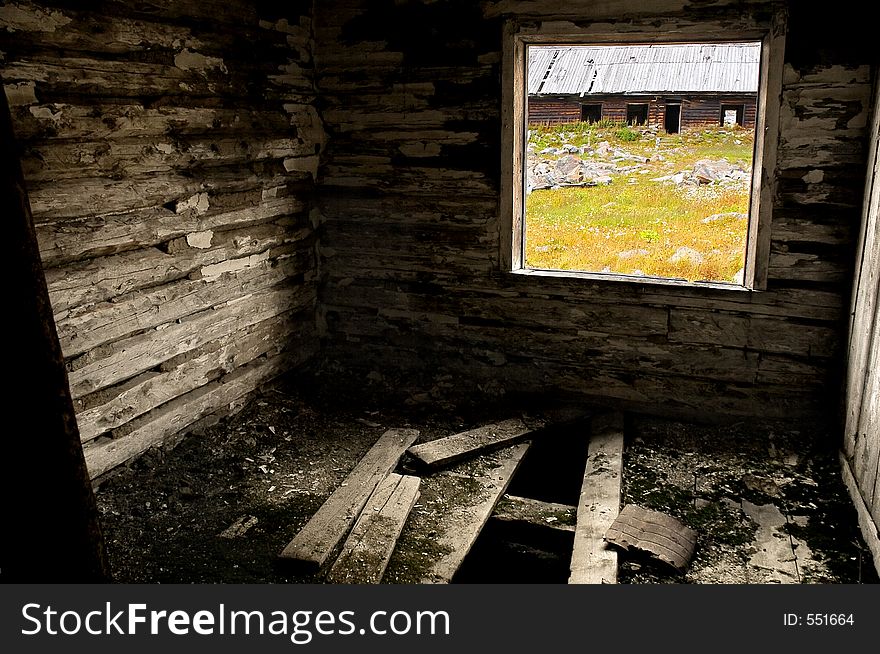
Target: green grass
{"type": "Point", "coordinates": [635, 225]}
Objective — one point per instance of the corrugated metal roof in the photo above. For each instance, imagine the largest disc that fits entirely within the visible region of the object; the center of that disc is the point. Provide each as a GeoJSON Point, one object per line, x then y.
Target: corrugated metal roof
{"type": "Point", "coordinates": [632, 69]}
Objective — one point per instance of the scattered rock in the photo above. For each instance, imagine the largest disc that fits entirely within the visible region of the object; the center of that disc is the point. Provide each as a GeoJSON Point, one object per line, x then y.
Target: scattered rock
{"type": "Point", "coordinates": [568, 170]}
{"type": "Point", "coordinates": [766, 486]}
{"type": "Point", "coordinates": [685, 253]}
{"type": "Point", "coordinates": [629, 254]}
{"type": "Point", "coordinates": [706, 171]}
{"type": "Point", "coordinates": [724, 216]}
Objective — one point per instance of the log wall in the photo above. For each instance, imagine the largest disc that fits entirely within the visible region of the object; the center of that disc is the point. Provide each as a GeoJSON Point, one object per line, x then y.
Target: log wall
{"type": "Point", "coordinates": [696, 112]}
{"type": "Point", "coordinates": [412, 287]}
{"type": "Point", "coordinates": [170, 150]}
{"type": "Point", "coordinates": [861, 449]}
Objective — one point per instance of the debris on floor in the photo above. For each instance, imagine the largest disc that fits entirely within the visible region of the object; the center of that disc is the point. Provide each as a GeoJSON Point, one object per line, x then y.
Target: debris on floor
{"type": "Point", "coordinates": [658, 535]}
{"type": "Point", "coordinates": [239, 527]}
{"type": "Point", "coordinates": [163, 514]}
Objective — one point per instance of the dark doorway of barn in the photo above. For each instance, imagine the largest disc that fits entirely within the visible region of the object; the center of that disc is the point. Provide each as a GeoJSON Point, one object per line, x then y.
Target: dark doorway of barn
{"type": "Point", "coordinates": [591, 113]}
{"type": "Point", "coordinates": [637, 114]}
{"type": "Point", "coordinates": [672, 123]}
{"type": "Point", "coordinates": [732, 114]}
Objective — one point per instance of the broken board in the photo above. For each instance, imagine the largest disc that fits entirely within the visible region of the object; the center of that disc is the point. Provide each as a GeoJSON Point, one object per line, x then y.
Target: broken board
{"type": "Point", "coordinates": [368, 548]}
{"type": "Point", "coordinates": [325, 530]}
{"type": "Point", "coordinates": [450, 449]}
{"type": "Point", "coordinates": [453, 508]}
{"type": "Point", "coordinates": [592, 561]}
{"type": "Point", "coordinates": [527, 511]}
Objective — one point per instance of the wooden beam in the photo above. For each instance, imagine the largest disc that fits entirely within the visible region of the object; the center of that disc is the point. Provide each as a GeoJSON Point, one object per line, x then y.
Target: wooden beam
{"type": "Point", "coordinates": [470, 493]}
{"type": "Point", "coordinates": [592, 561]}
{"type": "Point", "coordinates": [444, 451]}
{"type": "Point", "coordinates": [525, 510]}
{"type": "Point", "coordinates": [368, 548]}
{"type": "Point", "coordinates": [315, 542]}
{"type": "Point", "coordinates": [868, 526]}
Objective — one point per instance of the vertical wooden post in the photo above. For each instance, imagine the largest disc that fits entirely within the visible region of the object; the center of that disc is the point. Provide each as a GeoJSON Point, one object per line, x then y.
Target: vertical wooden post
{"type": "Point", "coordinates": [49, 517]}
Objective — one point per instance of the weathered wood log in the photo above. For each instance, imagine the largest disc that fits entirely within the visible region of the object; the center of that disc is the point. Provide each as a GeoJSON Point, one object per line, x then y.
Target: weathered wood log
{"type": "Point", "coordinates": [681, 397]}
{"type": "Point", "coordinates": [323, 533]}
{"type": "Point", "coordinates": [87, 327]}
{"type": "Point", "coordinates": [55, 161]}
{"type": "Point", "coordinates": [57, 535]}
{"type": "Point", "coordinates": [806, 267]}
{"type": "Point", "coordinates": [98, 121]}
{"type": "Point", "coordinates": [131, 356]}
{"type": "Point", "coordinates": [233, 14]}
{"type": "Point", "coordinates": [807, 303]}
{"type": "Point", "coordinates": [604, 9]}
{"type": "Point", "coordinates": [761, 334]}
{"type": "Point", "coordinates": [862, 417]}
{"type": "Point", "coordinates": [74, 31]}
{"type": "Point", "coordinates": [79, 197]}
{"type": "Point", "coordinates": [118, 405]}
{"type": "Point", "coordinates": [598, 350]}
{"type": "Point", "coordinates": [592, 561]}
{"type": "Point", "coordinates": [368, 548]}
{"type": "Point", "coordinates": [103, 278]}
{"type": "Point", "coordinates": [170, 419]}
{"type": "Point", "coordinates": [868, 523]}
{"type": "Point", "coordinates": [69, 240]}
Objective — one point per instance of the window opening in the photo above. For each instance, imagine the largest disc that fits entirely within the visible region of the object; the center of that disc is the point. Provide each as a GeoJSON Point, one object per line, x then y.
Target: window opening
{"type": "Point", "coordinates": [642, 186]}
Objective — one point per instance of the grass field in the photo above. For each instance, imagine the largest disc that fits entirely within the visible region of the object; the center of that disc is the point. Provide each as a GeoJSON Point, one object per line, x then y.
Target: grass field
{"type": "Point", "coordinates": [635, 225]}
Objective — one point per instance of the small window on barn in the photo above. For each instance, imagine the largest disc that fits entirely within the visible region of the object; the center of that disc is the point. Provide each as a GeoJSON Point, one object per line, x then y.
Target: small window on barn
{"type": "Point", "coordinates": [650, 186]}
{"type": "Point", "coordinates": [733, 115]}
{"type": "Point", "coordinates": [591, 113]}
{"type": "Point", "coordinates": [637, 113]}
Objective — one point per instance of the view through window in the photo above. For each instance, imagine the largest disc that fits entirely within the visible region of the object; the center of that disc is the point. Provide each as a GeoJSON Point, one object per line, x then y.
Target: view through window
{"type": "Point", "coordinates": [639, 158]}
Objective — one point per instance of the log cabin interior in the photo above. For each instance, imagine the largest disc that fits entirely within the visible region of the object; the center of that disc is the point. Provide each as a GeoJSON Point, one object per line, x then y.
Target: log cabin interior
{"type": "Point", "coordinates": [214, 196]}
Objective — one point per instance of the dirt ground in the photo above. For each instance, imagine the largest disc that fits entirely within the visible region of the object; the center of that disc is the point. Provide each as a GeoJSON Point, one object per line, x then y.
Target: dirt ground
{"type": "Point", "coordinates": [766, 501]}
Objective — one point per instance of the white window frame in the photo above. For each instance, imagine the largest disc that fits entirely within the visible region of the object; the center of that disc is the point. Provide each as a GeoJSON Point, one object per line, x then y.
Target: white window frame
{"type": "Point", "coordinates": [514, 134]}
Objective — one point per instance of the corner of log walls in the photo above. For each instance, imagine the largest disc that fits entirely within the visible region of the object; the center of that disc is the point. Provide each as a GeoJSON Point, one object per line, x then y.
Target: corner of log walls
{"type": "Point", "coordinates": [170, 151]}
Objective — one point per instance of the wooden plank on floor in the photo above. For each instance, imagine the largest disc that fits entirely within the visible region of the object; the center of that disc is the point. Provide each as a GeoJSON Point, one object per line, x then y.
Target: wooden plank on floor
{"type": "Point", "coordinates": [525, 510]}
{"type": "Point", "coordinates": [592, 560]}
{"type": "Point", "coordinates": [368, 548]}
{"type": "Point", "coordinates": [453, 508]}
{"type": "Point", "coordinates": [324, 532]}
{"type": "Point", "coordinates": [445, 451]}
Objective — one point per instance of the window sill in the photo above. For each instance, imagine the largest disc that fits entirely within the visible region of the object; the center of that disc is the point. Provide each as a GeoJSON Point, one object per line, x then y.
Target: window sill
{"type": "Point", "coordinates": [629, 280]}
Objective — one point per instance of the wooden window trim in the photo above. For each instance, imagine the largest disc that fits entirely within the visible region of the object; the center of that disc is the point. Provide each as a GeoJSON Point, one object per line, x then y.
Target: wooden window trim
{"type": "Point", "coordinates": [513, 125]}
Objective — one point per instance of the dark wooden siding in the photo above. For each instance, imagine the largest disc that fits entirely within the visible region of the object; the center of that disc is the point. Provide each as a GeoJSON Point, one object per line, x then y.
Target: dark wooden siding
{"type": "Point", "coordinates": [697, 112]}
{"type": "Point", "coordinates": [553, 112]}
{"type": "Point", "coordinates": [410, 187]}
{"type": "Point", "coordinates": [169, 151]}
{"type": "Point", "coordinates": [706, 112]}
